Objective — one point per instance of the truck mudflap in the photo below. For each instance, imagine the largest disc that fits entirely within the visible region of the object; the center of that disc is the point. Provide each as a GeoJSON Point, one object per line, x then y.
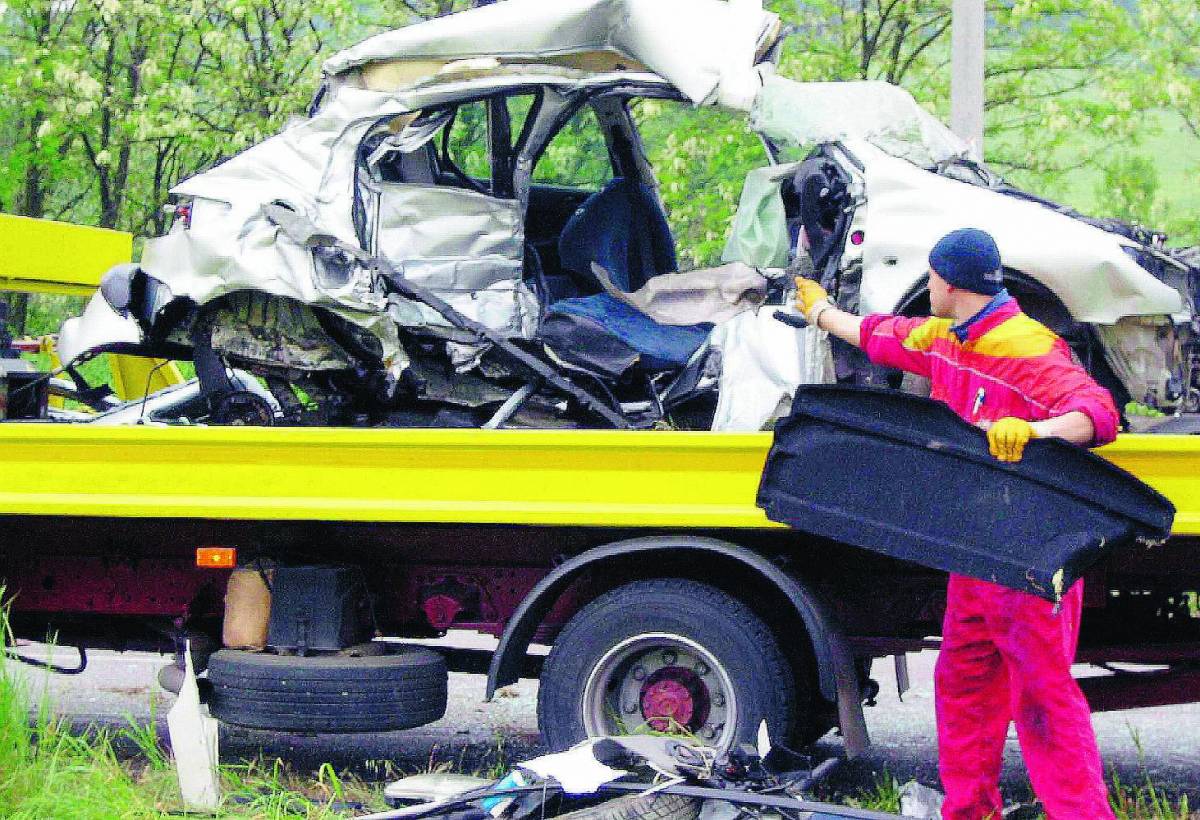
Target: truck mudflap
{"type": "Point", "coordinates": [905, 477]}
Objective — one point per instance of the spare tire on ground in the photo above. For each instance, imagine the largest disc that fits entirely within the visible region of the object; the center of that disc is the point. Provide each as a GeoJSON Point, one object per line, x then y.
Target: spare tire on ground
{"type": "Point", "coordinates": [328, 693]}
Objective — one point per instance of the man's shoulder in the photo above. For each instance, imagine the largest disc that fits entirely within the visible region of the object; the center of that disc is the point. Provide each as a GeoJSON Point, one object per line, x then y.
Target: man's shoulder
{"type": "Point", "coordinates": [1017, 337]}
{"type": "Point", "coordinates": [922, 331]}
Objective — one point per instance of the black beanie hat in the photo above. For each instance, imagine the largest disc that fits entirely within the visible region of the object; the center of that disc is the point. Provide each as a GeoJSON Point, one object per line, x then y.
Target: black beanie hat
{"type": "Point", "coordinates": [969, 259]}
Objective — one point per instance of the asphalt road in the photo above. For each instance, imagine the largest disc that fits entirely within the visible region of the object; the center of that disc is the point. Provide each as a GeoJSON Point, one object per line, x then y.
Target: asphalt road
{"type": "Point", "coordinates": [1161, 744]}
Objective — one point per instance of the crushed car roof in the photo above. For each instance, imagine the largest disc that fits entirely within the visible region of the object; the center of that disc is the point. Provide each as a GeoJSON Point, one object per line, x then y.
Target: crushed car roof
{"type": "Point", "coordinates": [705, 48]}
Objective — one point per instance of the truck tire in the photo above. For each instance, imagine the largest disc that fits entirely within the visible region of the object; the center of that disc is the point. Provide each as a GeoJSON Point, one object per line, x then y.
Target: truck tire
{"type": "Point", "coordinates": [328, 693]}
{"type": "Point", "coordinates": [639, 807]}
{"type": "Point", "coordinates": [665, 654]}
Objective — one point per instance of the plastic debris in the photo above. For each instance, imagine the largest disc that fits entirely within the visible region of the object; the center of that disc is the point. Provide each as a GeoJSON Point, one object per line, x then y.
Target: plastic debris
{"type": "Point", "coordinates": [921, 801]}
{"type": "Point", "coordinates": [194, 744]}
{"type": "Point", "coordinates": [577, 769]}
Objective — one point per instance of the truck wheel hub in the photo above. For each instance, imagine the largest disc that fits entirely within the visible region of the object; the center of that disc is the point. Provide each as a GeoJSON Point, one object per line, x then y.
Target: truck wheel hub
{"type": "Point", "coordinates": [674, 697]}
{"type": "Point", "coordinates": [664, 682]}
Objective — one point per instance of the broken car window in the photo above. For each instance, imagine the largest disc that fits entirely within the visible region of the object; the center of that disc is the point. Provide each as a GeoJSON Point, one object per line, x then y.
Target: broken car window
{"type": "Point", "coordinates": [699, 178]}
{"type": "Point", "coordinates": [577, 157]}
{"type": "Point", "coordinates": [468, 141]}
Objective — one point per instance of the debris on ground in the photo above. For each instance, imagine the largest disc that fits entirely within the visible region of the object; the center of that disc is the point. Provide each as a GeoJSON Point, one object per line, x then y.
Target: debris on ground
{"type": "Point", "coordinates": [629, 777]}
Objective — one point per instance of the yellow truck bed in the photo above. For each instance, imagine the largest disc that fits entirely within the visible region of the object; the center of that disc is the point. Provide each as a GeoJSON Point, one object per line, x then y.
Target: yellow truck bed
{"type": "Point", "coordinates": [550, 477]}
{"type": "Point", "coordinates": [588, 478]}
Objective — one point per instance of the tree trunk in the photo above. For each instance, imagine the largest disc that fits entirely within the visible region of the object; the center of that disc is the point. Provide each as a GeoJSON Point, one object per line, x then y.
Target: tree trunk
{"type": "Point", "coordinates": [18, 311]}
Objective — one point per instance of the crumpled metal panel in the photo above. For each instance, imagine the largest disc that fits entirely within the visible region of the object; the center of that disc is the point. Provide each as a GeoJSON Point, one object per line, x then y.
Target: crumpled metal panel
{"type": "Point", "coordinates": [432, 222]}
{"type": "Point", "coordinates": [465, 246]}
{"type": "Point", "coordinates": [878, 112]}
{"type": "Point", "coordinates": [696, 45]}
{"type": "Point", "coordinates": [98, 326]}
{"type": "Point", "coordinates": [505, 305]}
{"type": "Point", "coordinates": [908, 209]}
{"type": "Point", "coordinates": [763, 361]}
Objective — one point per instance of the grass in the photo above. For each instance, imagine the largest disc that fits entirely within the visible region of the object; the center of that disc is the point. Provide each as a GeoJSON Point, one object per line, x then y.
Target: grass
{"type": "Point", "coordinates": [49, 771]}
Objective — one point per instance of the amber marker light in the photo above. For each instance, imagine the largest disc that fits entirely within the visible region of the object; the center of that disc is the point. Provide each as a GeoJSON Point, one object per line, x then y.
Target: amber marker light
{"type": "Point", "coordinates": [216, 557]}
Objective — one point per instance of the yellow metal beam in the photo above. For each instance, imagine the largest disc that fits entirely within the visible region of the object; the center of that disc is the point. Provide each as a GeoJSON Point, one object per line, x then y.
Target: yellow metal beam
{"type": "Point", "coordinates": [40, 256]}
{"type": "Point", "coordinates": [691, 480]}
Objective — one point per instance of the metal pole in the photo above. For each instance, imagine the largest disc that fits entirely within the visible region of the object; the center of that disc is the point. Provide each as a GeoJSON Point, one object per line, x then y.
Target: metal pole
{"type": "Point", "coordinates": [966, 65]}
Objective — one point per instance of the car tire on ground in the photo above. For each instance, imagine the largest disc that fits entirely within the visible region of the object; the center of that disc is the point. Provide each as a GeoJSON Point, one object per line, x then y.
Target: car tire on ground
{"type": "Point", "coordinates": [328, 693]}
{"type": "Point", "coordinates": [665, 654]}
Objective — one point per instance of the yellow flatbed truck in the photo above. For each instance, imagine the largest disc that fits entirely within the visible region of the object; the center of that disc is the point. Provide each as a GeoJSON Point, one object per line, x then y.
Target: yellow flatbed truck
{"type": "Point", "coordinates": [669, 599]}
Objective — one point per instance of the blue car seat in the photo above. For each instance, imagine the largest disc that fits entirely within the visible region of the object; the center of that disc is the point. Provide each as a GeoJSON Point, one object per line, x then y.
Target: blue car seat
{"type": "Point", "coordinates": [623, 229]}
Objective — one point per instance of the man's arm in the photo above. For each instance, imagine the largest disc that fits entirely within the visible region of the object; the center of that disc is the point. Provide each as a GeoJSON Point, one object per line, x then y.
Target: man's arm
{"type": "Point", "coordinates": [893, 341]}
{"type": "Point", "coordinates": [845, 326]}
{"type": "Point", "coordinates": [1076, 427]}
{"type": "Point", "coordinates": [1008, 436]}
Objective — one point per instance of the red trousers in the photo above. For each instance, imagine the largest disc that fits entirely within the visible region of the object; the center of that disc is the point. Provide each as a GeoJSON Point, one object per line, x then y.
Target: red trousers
{"type": "Point", "coordinates": [1007, 657]}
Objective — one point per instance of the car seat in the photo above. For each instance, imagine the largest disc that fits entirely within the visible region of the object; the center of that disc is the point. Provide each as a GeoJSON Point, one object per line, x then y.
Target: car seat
{"type": "Point", "coordinates": [621, 228]}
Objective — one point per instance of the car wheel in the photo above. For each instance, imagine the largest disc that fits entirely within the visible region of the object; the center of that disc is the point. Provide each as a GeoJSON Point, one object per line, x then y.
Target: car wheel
{"type": "Point", "coordinates": [665, 655]}
{"type": "Point", "coordinates": [328, 693]}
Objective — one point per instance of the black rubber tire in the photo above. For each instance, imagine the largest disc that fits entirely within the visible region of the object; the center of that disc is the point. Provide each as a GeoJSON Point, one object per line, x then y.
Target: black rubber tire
{"type": "Point", "coordinates": [725, 627]}
{"type": "Point", "coordinates": [639, 807]}
{"type": "Point", "coordinates": [328, 693]}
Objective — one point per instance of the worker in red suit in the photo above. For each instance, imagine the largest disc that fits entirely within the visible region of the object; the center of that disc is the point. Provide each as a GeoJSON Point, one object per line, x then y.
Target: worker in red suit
{"type": "Point", "coordinates": [1006, 655]}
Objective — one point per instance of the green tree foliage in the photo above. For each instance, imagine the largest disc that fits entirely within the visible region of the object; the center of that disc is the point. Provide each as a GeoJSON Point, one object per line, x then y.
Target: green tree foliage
{"type": "Point", "coordinates": [105, 104]}
{"type": "Point", "coordinates": [1129, 189]}
{"type": "Point", "coordinates": [1054, 69]}
{"type": "Point", "coordinates": [700, 157]}
{"type": "Point", "coordinates": [1170, 32]}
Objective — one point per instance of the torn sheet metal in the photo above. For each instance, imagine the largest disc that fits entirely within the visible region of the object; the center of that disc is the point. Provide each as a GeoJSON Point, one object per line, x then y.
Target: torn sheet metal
{"type": "Point", "coordinates": [464, 246]}
{"type": "Point", "coordinates": [763, 361]}
{"type": "Point", "coordinates": [885, 115]}
{"type": "Point", "coordinates": [694, 297]}
{"type": "Point", "coordinates": [695, 45]}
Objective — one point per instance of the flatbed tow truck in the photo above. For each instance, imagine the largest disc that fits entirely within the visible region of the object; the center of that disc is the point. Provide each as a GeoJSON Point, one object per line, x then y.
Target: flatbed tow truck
{"type": "Point", "coordinates": [668, 597]}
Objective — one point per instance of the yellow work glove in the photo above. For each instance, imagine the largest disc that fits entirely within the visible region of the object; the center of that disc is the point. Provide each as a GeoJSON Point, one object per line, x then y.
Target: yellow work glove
{"type": "Point", "coordinates": [810, 297]}
{"type": "Point", "coordinates": [1008, 436]}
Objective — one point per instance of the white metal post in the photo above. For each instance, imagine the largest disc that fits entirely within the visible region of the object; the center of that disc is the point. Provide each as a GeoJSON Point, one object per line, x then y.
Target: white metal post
{"type": "Point", "coordinates": [966, 65]}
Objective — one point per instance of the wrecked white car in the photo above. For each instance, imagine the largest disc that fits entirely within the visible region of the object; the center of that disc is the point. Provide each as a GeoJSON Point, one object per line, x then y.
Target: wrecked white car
{"type": "Point", "coordinates": [355, 264]}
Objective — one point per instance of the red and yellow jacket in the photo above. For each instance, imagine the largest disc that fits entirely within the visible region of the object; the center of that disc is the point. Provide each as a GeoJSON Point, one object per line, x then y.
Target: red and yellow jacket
{"type": "Point", "coordinates": [1001, 363]}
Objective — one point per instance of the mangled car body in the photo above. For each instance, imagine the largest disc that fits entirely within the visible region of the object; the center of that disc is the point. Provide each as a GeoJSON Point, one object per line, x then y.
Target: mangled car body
{"type": "Point", "coordinates": [356, 264]}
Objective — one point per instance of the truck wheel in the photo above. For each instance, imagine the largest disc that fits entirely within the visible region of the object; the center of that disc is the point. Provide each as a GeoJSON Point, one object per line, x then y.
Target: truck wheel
{"type": "Point", "coordinates": [328, 693]}
{"type": "Point", "coordinates": [665, 655]}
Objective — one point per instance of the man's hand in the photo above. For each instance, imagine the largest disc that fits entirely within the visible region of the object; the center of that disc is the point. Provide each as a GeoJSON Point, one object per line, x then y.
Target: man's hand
{"type": "Point", "coordinates": [808, 296]}
{"type": "Point", "coordinates": [1008, 436]}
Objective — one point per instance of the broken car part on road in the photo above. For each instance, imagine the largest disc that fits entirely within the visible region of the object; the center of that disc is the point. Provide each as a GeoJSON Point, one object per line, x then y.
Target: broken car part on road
{"type": "Point", "coordinates": [692, 780]}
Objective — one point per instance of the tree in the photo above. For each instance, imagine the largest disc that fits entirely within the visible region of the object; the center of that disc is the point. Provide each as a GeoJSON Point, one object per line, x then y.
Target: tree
{"type": "Point", "coordinates": [1055, 69]}
{"type": "Point", "coordinates": [1169, 33]}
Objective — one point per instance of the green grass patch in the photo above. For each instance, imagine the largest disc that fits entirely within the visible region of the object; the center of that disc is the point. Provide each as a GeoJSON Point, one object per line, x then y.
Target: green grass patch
{"type": "Point", "coordinates": [48, 771]}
